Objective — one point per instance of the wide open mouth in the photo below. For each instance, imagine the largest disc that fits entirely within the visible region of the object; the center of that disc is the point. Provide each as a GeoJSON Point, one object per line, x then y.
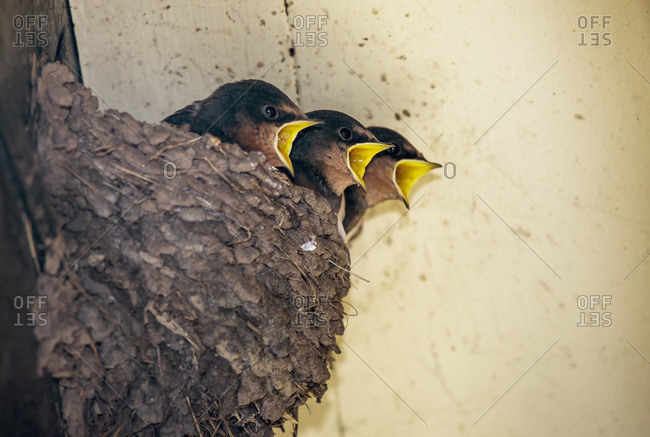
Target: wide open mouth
{"type": "Point", "coordinates": [360, 155]}
{"type": "Point", "coordinates": [407, 172]}
{"type": "Point", "coordinates": [284, 138]}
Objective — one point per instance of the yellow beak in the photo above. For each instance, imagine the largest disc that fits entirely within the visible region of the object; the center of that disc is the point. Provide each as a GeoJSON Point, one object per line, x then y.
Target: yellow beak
{"type": "Point", "coordinates": [285, 137]}
{"type": "Point", "coordinates": [407, 172]}
{"type": "Point", "coordinates": [360, 155]}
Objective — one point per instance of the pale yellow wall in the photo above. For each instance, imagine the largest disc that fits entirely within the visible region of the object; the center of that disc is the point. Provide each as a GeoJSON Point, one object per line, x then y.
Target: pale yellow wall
{"type": "Point", "coordinates": [458, 307]}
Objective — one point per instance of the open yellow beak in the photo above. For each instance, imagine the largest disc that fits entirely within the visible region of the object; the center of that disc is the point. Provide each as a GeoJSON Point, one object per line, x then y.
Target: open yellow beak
{"type": "Point", "coordinates": [407, 172]}
{"type": "Point", "coordinates": [285, 136]}
{"type": "Point", "coordinates": [359, 157]}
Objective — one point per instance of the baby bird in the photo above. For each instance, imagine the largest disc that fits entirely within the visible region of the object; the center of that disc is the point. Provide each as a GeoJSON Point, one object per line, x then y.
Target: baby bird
{"type": "Point", "coordinates": [252, 113]}
{"type": "Point", "coordinates": [390, 175]}
{"type": "Point", "coordinates": [332, 156]}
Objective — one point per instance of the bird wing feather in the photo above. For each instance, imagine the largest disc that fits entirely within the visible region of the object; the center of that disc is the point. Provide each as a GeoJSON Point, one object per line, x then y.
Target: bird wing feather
{"type": "Point", "coordinates": [185, 115]}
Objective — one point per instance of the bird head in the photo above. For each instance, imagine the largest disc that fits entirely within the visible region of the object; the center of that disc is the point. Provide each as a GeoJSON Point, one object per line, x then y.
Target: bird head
{"type": "Point", "coordinates": [392, 173]}
{"type": "Point", "coordinates": [257, 116]}
{"type": "Point", "coordinates": [333, 155]}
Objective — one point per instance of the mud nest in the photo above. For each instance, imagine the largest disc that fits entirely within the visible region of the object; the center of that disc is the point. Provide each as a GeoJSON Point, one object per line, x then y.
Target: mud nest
{"type": "Point", "coordinates": [190, 288]}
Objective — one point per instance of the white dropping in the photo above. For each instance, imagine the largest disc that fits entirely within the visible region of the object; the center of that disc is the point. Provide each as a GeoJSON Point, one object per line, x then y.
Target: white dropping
{"type": "Point", "coordinates": [309, 246]}
{"type": "Point", "coordinates": [341, 216]}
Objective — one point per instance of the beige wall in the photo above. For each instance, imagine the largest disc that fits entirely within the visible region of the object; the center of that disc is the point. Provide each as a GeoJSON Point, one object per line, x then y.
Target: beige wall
{"type": "Point", "coordinates": [458, 307]}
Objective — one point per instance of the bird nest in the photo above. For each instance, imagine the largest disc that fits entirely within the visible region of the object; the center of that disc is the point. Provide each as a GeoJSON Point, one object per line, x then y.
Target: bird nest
{"type": "Point", "coordinates": [190, 287]}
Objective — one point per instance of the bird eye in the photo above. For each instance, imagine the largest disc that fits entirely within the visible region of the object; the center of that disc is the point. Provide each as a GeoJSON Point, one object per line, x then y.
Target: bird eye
{"type": "Point", "coordinates": [271, 112]}
{"type": "Point", "coordinates": [345, 133]}
{"type": "Point", "coordinates": [395, 150]}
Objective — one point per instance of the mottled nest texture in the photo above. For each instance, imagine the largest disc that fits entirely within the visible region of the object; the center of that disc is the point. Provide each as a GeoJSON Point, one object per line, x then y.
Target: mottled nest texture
{"type": "Point", "coordinates": [191, 289]}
